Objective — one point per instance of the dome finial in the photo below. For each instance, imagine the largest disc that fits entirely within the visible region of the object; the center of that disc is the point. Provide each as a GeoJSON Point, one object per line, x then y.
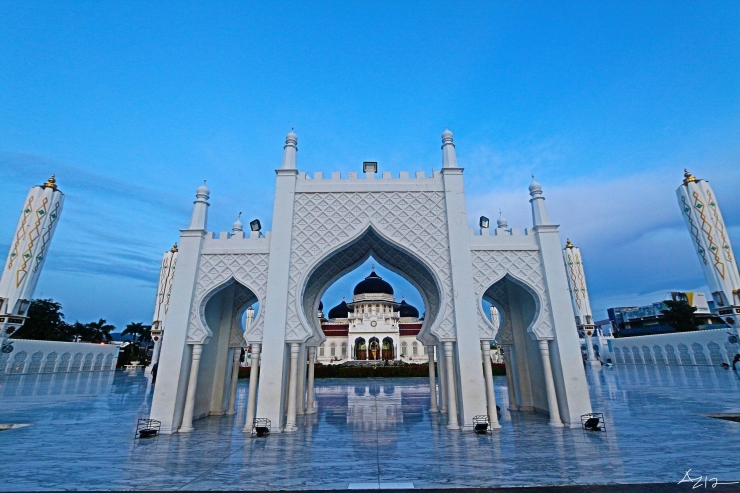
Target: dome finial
{"type": "Point", "coordinates": [174, 248]}
{"type": "Point", "coordinates": [502, 222]}
{"type": "Point", "coordinates": [535, 188]}
{"type": "Point", "coordinates": [51, 183]}
{"type": "Point", "coordinates": [568, 244]}
{"type": "Point", "coordinates": [238, 226]}
{"type": "Point", "coordinates": [687, 177]}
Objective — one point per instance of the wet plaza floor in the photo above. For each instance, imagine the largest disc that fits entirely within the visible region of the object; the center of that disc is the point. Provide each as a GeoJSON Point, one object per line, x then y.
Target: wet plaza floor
{"type": "Point", "coordinates": [368, 432]}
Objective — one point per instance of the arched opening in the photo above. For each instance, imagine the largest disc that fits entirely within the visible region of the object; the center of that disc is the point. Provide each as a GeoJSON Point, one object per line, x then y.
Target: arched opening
{"type": "Point", "coordinates": [387, 255]}
{"type": "Point", "coordinates": [378, 309]}
{"type": "Point", "coordinates": [225, 313]}
{"type": "Point", "coordinates": [517, 306]}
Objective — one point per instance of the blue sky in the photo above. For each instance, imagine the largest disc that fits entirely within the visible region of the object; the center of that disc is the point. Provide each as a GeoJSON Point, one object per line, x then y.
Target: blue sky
{"type": "Point", "coordinates": [133, 104]}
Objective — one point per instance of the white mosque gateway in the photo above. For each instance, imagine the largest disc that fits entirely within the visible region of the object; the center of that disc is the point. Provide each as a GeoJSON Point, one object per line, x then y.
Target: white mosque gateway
{"type": "Point", "coordinates": [374, 327]}
{"type": "Point", "coordinates": [325, 227]}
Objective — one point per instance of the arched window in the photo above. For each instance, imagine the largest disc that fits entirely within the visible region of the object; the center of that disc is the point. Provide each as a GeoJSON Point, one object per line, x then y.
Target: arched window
{"type": "Point", "coordinates": [403, 349]}
{"type": "Point", "coordinates": [321, 350]}
{"type": "Point", "coordinates": [333, 349]}
{"type": "Point", "coordinates": [415, 349]}
{"type": "Point", "coordinates": [344, 349]}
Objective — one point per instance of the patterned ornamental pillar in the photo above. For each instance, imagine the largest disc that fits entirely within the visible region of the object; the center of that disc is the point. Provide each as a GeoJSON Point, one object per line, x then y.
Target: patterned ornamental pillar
{"type": "Point", "coordinates": [579, 299]}
{"type": "Point", "coordinates": [162, 304]}
{"type": "Point", "coordinates": [711, 240]}
{"type": "Point", "coordinates": [28, 250]}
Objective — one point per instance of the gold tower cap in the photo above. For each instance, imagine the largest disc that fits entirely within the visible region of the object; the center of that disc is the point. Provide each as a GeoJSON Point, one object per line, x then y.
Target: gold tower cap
{"type": "Point", "coordinates": [687, 177]}
{"type": "Point", "coordinates": [174, 248]}
{"type": "Point", "coordinates": [52, 183]}
{"type": "Point", "coordinates": [568, 244]}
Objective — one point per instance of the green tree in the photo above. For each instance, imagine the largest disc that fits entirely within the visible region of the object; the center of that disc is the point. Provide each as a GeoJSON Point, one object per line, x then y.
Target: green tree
{"type": "Point", "coordinates": [99, 331]}
{"type": "Point", "coordinates": [680, 315]}
{"type": "Point", "coordinates": [140, 334]}
{"type": "Point", "coordinates": [45, 322]}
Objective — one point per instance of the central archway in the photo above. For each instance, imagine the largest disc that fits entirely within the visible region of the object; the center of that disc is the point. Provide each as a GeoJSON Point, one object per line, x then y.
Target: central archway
{"type": "Point", "coordinates": [387, 253]}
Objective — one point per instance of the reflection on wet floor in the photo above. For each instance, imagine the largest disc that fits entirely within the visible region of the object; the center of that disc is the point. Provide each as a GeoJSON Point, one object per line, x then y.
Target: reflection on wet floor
{"type": "Point", "coordinates": [367, 431]}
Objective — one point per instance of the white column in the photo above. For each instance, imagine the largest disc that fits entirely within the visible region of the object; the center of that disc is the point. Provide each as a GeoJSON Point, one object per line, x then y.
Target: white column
{"type": "Point", "coordinates": [590, 355]}
{"type": "Point", "coordinates": [451, 392]}
{"type": "Point", "coordinates": [187, 417]}
{"type": "Point", "coordinates": [234, 380]}
{"type": "Point", "coordinates": [301, 388]}
{"type": "Point", "coordinates": [510, 377]}
{"type": "Point", "coordinates": [309, 399]}
{"type": "Point", "coordinates": [552, 398]}
{"type": "Point", "coordinates": [293, 387]}
{"type": "Point", "coordinates": [254, 370]}
{"type": "Point", "coordinates": [432, 381]}
{"type": "Point", "coordinates": [442, 379]}
{"type": "Point", "coordinates": [155, 352]}
{"type": "Point", "coordinates": [485, 347]}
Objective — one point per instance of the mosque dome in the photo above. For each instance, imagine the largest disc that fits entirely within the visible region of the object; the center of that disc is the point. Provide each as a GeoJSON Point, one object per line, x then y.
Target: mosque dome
{"type": "Point", "coordinates": [502, 222]}
{"type": "Point", "coordinates": [238, 225]}
{"type": "Point", "coordinates": [373, 284]}
{"type": "Point", "coordinates": [339, 311]}
{"type": "Point", "coordinates": [405, 310]}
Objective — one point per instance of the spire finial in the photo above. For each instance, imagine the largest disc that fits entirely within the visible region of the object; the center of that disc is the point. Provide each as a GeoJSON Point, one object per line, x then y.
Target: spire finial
{"type": "Point", "coordinates": [568, 244]}
{"type": "Point", "coordinates": [174, 248]}
{"type": "Point", "coordinates": [687, 177]}
{"type": "Point", "coordinates": [238, 226]}
{"type": "Point", "coordinates": [51, 183]}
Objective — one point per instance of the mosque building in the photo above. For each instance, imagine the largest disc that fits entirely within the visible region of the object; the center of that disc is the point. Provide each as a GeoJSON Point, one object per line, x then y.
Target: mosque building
{"type": "Point", "coordinates": [373, 327]}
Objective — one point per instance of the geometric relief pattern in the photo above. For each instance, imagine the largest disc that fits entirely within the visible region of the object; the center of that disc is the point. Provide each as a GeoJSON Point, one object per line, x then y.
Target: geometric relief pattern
{"type": "Point", "coordinates": [416, 221]}
{"type": "Point", "coordinates": [248, 269]}
{"type": "Point", "coordinates": [491, 265]}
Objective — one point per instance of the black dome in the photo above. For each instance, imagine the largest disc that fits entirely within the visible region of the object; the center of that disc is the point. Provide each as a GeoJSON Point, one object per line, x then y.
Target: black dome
{"type": "Point", "coordinates": [339, 311]}
{"type": "Point", "coordinates": [373, 284]}
{"type": "Point", "coordinates": [406, 310]}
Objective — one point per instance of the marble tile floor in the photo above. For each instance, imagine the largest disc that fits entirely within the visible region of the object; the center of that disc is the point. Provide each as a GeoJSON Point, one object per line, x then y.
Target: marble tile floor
{"type": "Point", "coordinates": [368, 432]}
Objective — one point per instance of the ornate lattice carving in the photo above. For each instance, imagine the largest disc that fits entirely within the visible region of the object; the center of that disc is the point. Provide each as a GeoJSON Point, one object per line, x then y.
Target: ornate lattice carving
{"type": "Point", "coordinates": [416, 221]}
{"type": "Point", "coordinates": [525, 266]}
{"type": "Point", "coordinates": [216, 271]}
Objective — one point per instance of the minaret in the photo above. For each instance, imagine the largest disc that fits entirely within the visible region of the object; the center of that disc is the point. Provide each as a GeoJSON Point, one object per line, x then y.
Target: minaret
{"type": "Point", "coordinates": [579, 298]}
{"type": "Point", "coordinates": [164, 290]}
{"type": "Point", "coordinates": [707, 228]}
{"type": "Point", "coordinates": [28, 250]}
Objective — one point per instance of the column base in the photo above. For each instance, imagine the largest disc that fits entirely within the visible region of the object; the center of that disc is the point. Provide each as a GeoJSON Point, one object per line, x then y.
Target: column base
{"type": "Point", "coordinates": [453, 427]}
{"type": "Point", "coordinates": [433, 410]}
{"type": "Point", "coordinates": [185, 429]}
{"type": "Point", "coordinates": [556, 424]}
{"type": "Point", "coordinates": [594, 363]}
{"type": "Point", "coordinates": [513, 408]}
{"type": "Point", "coordinates": [495, 426]}
{"type": "Point", "coordinates": [290, 429]}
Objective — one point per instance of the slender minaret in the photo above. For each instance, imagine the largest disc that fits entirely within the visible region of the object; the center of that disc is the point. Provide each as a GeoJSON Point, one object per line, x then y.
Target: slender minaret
{"type": "Point", "coordinates": [707, 228]}
{"type": "Point", "coordinates": [28, 250]}
{"type": "Point", "coordinates": [579, 298]}
{"type": "Point", "coordinates": [164, 290]}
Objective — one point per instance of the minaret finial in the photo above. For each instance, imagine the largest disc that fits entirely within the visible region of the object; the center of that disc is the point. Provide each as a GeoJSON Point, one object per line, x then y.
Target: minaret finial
{"type": "Point", "coordinates": [51, 183]}
{"type": "Point", "coordinates": [568, 244]}
{"type": "Point", "coordinates": [687, 177]}
{"type": "Point", "coordinates": [174, 248]}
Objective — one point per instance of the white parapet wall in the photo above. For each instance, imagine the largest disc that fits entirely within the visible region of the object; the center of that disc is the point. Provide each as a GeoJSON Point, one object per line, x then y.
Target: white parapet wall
{"type": "Point", "coordinates": [30, 356]}
{"type": "Point", "coordinates": [701, 347]}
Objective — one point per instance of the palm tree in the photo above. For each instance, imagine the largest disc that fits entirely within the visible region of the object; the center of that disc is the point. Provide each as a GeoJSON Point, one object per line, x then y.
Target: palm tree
{"type": "Point", "coordinates": [100, 331]}
{"type": "Point", "coordinates": [140, 334]}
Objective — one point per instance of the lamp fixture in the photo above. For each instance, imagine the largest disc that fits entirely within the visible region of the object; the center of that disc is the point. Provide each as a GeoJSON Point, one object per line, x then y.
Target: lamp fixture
{"type": "Point", "coordinates": [370, 167]}
{"type": "Point", "coordinates": [484, 222]}
{"type": "Point", "coordinates": [255, 225]}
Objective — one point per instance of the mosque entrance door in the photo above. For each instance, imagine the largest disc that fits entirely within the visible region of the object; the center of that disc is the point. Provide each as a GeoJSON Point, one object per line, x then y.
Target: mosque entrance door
{"type": "Point", "coordinates": [374, 348]}
{"type": "Point", "coordinates": [387, 349]}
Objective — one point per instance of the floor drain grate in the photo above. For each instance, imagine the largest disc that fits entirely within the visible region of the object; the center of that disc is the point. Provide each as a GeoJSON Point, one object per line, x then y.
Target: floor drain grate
{"type": "Point", "coordinates": [726, 417]}
{"type": "Point", "coordinates": [12, 426]}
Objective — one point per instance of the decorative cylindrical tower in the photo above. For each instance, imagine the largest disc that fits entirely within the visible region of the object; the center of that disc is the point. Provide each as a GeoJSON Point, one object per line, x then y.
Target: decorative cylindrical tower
{"type": "Point", "coordinates": [579, 298]}
{"type": "Point", "coordinates": [28, 250]}
{"type": "Point", "coordinates": [164, 290]}
{"type": "Point", "coordinates": [708, 232]}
